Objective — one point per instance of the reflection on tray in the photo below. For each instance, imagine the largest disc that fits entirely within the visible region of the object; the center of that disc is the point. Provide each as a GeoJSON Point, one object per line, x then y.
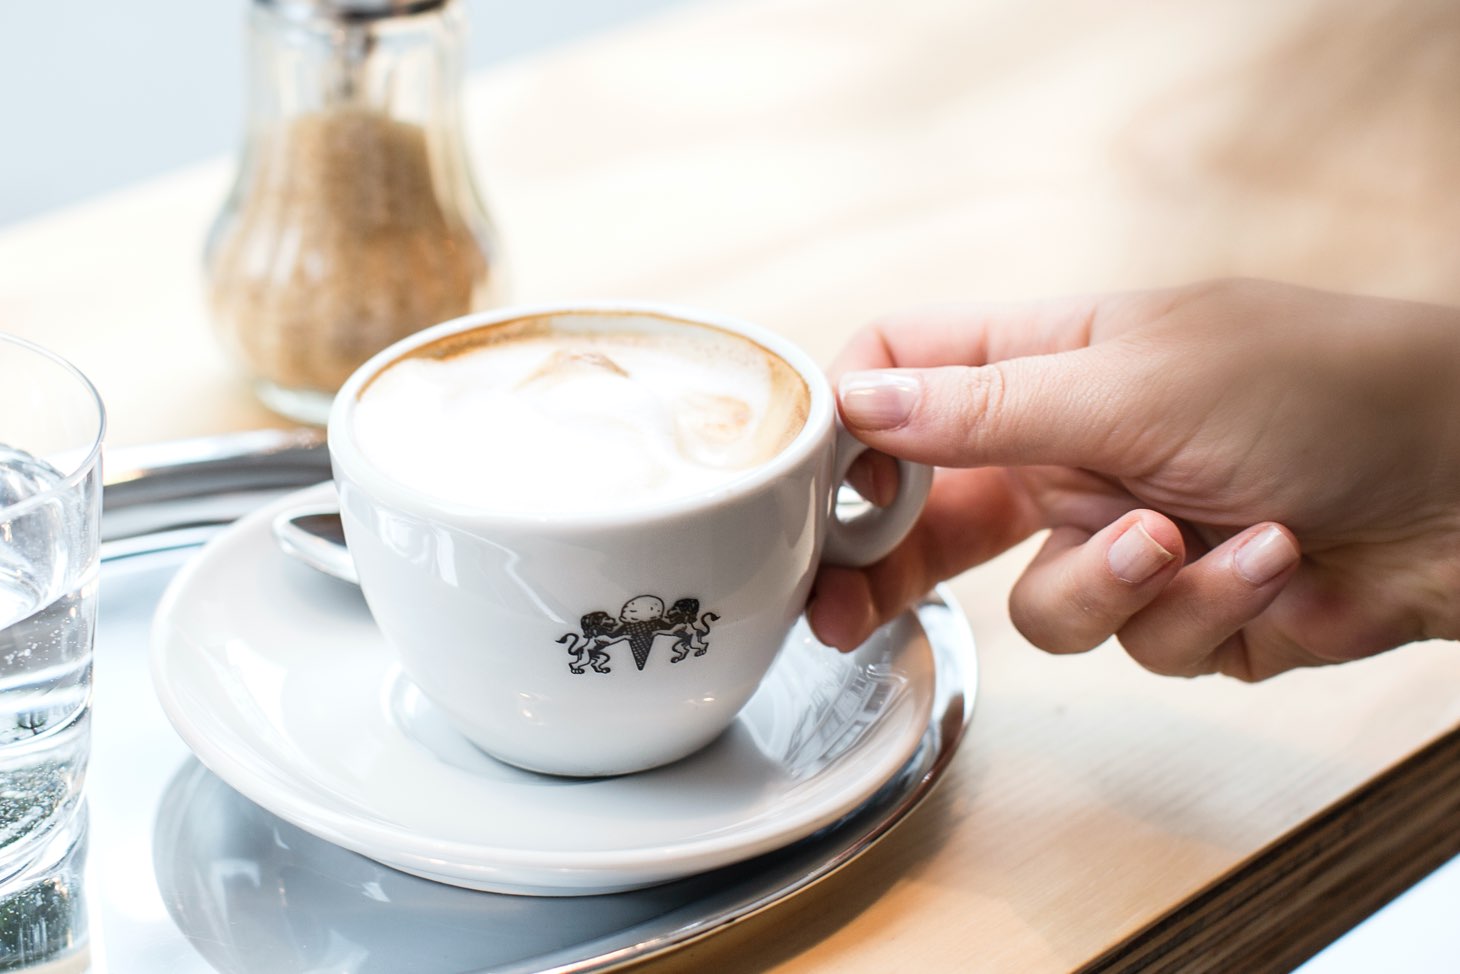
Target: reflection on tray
{"type": "Point", "coordinates": [253, 893]}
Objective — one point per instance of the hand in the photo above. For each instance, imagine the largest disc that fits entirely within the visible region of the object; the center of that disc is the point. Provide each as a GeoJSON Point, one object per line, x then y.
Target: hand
{"type": "Point", "coordinates": [1237, 477]}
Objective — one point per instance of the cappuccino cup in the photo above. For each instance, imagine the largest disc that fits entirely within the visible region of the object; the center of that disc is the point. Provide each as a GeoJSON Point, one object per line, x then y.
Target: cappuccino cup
{"type": "Point", "coordinates": [587, 530]}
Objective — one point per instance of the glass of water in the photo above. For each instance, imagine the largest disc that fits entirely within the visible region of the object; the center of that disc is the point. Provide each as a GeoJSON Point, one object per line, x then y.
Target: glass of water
{"type": "Point", "coordinates": [51, 425]}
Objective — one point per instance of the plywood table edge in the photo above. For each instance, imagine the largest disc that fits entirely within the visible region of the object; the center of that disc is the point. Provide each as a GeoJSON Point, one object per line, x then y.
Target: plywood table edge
{"type": "Point", "coordinates": [1292, 899]}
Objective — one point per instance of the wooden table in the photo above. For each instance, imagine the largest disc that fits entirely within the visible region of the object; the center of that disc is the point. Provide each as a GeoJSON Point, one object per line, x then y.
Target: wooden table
{"type": "Point", "coordinates": [812, 163]}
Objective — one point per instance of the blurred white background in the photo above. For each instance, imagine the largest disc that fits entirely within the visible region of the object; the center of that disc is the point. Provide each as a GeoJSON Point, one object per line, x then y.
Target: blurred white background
{"type": "Point", "coordinates": [96, 94]}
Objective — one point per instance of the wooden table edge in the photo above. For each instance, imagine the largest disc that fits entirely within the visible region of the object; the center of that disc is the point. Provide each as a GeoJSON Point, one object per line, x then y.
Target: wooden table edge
{"type": "Point", "coordinates": [1312, 885]}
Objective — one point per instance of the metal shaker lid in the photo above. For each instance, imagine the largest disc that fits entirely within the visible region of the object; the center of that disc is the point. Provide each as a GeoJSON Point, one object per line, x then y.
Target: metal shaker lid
{"type": "Point", "coordinates": [350, 10]}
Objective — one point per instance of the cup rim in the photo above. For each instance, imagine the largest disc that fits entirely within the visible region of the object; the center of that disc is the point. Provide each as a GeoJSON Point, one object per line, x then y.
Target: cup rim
{"type": "Point", "coordinates": [350, 460]}
{"type": "Point", "coordinates": [88, 462]}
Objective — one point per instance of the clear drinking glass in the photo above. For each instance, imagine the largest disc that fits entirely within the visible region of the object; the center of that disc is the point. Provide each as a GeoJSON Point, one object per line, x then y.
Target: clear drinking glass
{"type": "Point", "coordinates": [51, 425]}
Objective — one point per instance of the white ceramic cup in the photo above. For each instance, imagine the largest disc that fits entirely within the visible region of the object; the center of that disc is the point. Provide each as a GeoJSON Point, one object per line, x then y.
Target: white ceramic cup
{"type": "Point", "coordinates": [599, 643]}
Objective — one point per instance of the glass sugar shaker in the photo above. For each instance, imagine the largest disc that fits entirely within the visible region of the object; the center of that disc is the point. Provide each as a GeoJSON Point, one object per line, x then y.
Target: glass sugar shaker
{"type": "Point", "coordinates": [354, 219]}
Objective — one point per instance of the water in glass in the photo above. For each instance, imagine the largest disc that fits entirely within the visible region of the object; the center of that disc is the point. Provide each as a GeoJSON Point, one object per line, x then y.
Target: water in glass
{"type": "Point", "coordinates": [48, 570]}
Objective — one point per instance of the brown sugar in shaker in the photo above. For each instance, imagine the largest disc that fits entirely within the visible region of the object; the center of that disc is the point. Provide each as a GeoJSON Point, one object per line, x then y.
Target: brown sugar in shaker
{"type": "Point", "coordinates": [354, 219]}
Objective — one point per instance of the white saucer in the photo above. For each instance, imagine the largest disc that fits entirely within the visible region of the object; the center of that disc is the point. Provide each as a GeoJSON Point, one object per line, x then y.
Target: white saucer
{"type": "Point", "coordinates": [278, 680]}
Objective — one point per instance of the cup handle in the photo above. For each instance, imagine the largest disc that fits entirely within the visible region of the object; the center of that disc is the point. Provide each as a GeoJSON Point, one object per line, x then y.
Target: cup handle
{"type": "Point", "coordinates": [875, 532]}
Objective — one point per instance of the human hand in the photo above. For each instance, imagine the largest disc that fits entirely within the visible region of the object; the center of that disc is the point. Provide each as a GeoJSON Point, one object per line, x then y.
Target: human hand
{"type": "Point", "coordinates": [1238, 477]}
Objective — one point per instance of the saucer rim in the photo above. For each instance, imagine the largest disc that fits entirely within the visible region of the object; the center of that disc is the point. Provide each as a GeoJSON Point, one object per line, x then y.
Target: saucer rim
{"type": "Point", "coordinates": [484, 866]}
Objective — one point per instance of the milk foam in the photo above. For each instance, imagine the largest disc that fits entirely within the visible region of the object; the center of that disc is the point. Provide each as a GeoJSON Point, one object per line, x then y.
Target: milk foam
{"type": "Point", "coordinates": [561, 422]}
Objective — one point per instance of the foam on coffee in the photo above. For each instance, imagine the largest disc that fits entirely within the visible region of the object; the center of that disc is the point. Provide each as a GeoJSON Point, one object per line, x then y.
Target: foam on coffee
{"type": "Point", "coordinates": [562, 415]}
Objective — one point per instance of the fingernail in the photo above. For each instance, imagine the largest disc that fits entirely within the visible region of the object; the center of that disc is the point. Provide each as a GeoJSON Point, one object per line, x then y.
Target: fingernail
{"type": "Point", "coordinates": [1265, 556]}
{"type": "Point", "coordinates": [878, 400]}
{"type": "Point", "coordinates": [1136, 556]}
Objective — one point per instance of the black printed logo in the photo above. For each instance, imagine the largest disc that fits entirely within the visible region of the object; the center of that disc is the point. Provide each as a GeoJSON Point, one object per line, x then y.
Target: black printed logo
{"type": "Point", "coordinates": [642, 620]}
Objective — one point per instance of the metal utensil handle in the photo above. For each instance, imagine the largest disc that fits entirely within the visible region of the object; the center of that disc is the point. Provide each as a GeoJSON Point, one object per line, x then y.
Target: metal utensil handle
{"type": "Point", "coordinates": [204, 482]}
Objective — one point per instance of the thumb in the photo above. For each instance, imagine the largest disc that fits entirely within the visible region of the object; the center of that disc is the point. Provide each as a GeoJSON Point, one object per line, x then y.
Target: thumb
{"type": "Point", "coordinates": [1066, 409]}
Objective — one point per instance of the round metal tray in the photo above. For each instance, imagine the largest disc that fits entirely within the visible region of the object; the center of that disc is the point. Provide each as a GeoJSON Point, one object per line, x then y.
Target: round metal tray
{"type": "Point", "coordinates": [185, 874]}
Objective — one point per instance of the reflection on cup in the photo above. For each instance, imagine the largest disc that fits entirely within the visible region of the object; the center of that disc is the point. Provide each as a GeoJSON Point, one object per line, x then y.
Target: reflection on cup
{"type": "Point", "coordinates": [51, 425]}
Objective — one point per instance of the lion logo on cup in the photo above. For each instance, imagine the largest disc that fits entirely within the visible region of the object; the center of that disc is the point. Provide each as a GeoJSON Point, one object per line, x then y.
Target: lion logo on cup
{"type": "Point", "coordinates": [641, 621]}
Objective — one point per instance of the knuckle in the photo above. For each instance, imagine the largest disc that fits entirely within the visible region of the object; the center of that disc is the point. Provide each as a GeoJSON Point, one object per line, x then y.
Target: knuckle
{"type": "Point", "coordinates": [1069, 624]}
{"type": "Point", "coordinates": [1242, 670]}
{"type": "Point", "coordinates": [1162, 657]}
{"type": "Point", "coordinates": [1067, 602]}
{"type": "Point", "coordinates": [1217, 291]}
{"type": "Point", "coordinates": [1159, 663]}
{"type": "Point", "coordinates": [978, 403]}
{"type": "Point", "coordinates": [1224, 298]}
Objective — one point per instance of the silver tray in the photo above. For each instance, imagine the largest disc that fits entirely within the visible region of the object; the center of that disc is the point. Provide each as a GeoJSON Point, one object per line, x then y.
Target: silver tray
{"type": "Point", "coordinates": [185, 875]}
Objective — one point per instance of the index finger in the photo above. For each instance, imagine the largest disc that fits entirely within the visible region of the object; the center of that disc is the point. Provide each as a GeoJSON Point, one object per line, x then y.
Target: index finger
{"type": "Point", "coordinates": [977, 334]}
